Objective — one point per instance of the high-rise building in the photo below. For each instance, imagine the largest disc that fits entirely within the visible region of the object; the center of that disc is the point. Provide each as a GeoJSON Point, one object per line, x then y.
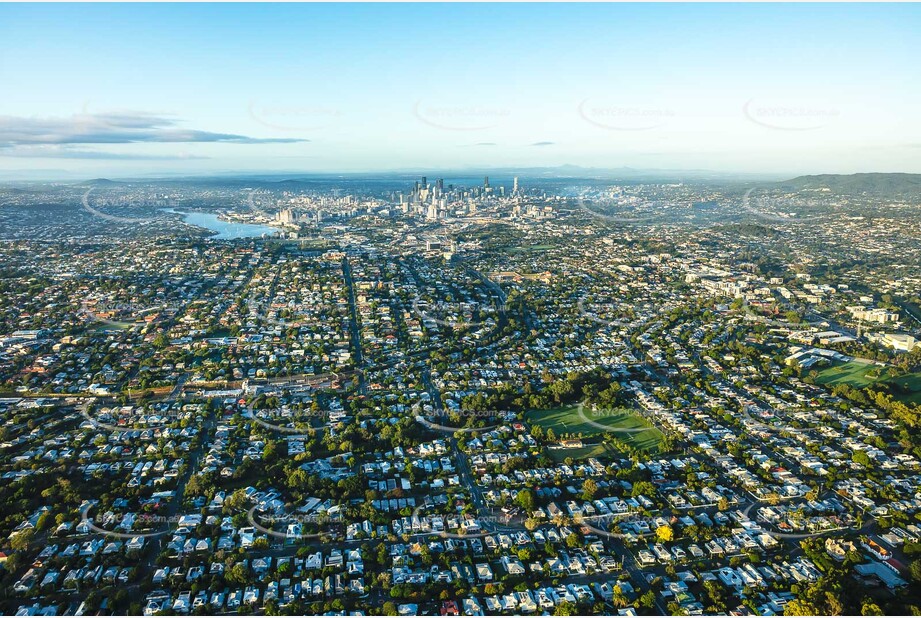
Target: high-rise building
{"type": "Point", "coordinates": [486, 182]}
{"type": "Point", "coordinates": [515, 185]}
{"type": "Point", "coordinates": [286, 216]}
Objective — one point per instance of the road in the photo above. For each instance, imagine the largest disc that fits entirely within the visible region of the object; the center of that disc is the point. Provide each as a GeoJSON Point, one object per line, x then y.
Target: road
{"type": "Point", "coordinates": [153, 547]}
{"type": "Point", "coordinates": [460, 458]}
{"type": "Point", "coordinates": [909, 313]}
{"type": "Point", "coordinates": [355, 332]}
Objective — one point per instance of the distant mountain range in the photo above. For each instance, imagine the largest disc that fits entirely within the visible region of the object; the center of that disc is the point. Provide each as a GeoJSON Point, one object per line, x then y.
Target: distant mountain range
{"type": "Point", "coordinates": [888, 184]}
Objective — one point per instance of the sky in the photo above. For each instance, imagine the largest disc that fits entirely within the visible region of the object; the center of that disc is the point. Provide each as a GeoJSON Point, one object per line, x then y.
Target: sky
{"type": "Point", "coordinates": [118, 90]}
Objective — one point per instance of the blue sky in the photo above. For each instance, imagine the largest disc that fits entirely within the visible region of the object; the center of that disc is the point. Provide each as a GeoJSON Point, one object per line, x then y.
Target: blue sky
{"type": "Point", "coordinates": [130, 89]}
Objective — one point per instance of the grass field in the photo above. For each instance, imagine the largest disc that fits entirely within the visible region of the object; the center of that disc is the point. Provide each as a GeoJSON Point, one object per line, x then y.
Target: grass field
{"type": "Point", "coordinates": [859, 375]}
{"type": "Point", "coordinates": [910, 382]}
{"type": "Point", "coordinates": [622, 423]}
{"type": "Point", "coordinates": [111, 325]}
{"type": "Point", "coordinates": [853, 373]}
{"type": "Point", "coordinates": [559, 455]}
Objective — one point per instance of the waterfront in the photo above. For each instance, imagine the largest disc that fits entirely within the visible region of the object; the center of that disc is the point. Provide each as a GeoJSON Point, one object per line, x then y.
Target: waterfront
{"type": "Point", "coordinates": [224, 230]}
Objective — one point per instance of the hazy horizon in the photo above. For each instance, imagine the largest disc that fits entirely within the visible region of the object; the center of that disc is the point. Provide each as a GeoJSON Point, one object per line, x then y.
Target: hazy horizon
{"type": "Point", "coordinates": [555, 172]}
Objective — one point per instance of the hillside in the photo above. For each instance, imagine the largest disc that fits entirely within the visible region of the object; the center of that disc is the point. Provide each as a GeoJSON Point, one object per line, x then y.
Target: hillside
{"type": "Point", "coordinates": [887, 184]}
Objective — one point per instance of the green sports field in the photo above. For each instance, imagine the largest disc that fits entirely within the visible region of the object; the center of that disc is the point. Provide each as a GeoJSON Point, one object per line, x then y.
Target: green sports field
{"type": "Point", "coordinates": [854, 373]}
{"type": "Point", "coordinates": [910, 382]}
{"type": "Point", "coordinates": [568, 421]}
{"type": "Point", "coordinates": [860, 374]}
{"type": "Point", "coordinates": [560, 455]}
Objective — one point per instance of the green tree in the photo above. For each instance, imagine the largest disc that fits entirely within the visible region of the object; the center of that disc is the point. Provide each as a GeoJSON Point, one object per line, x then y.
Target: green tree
{"type": "Point", "coordinates": [914, 570]}
{"type": "Point", "coordinates": [526, 500]}
{"type": "Point", "coordinates": [643, 488]}
{"type": "Point", "coordinates": [21, 540]}
{"type": "Point", "coordinates": [566, 608]}
{"type": "Point", "coordinates": [236, 574]}
{"type": "Point", "coordinates": [798, 607]}
{"type": "Point", "coordinates": [648, 599]}
{"type": "Point", "coordinates": [589, 489]}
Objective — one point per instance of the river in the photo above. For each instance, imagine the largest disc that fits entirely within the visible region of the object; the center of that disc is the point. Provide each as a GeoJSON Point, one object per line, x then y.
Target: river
{"type": "Point", "coordinates": [224, 230]}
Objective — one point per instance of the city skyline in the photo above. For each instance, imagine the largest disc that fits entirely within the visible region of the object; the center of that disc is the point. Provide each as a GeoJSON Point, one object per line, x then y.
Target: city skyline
{"type": "Point", "coordinates": [164, 90]}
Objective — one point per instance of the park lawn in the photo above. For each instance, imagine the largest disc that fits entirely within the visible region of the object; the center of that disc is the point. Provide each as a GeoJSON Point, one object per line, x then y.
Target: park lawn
{"type": "Point", "coordinates": [855, 374]}
{"type": "Point", "coordinates": [910, 382]}
{"type": "Point", "coordinates": [568, 421]}
{"type": "Point", "coordinates": [559, 455]}
{"type": "Point", "coordinates": [99, 326]}
{"type": "Point", "coordinates": [852, 373]}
